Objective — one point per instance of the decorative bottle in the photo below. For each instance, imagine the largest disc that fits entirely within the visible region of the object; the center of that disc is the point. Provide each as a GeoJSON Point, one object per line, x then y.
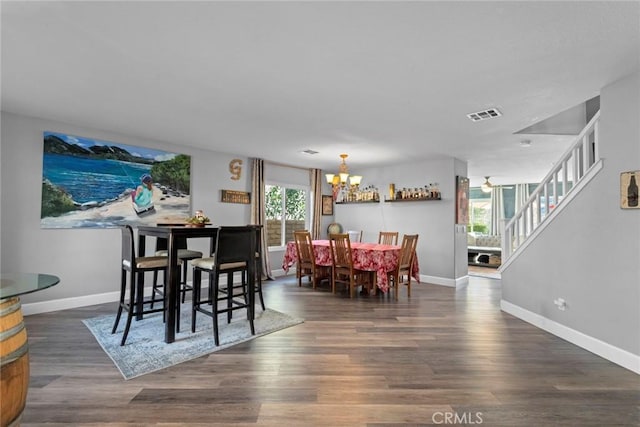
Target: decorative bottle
{"type": "Point", "coordinates": [632, 192]}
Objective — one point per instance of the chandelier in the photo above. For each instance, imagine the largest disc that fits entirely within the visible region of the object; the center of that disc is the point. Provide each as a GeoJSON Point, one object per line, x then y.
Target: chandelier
{"type": "Point", "coordinates": [339, 180]}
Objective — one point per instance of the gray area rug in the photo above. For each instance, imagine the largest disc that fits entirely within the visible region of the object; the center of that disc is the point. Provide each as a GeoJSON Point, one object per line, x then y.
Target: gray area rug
{"type": "Point", "coordinates": [145, 350]}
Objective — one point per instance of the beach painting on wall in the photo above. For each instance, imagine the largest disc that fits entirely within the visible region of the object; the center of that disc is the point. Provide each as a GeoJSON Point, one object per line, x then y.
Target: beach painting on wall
{"type": "Point", "coordinates": [88, 183]}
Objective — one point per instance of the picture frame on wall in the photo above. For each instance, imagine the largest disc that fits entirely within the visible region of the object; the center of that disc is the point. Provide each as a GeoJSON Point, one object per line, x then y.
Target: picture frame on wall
{"type": "Point", "coordinates": [629, 182]}
{"type": "Point", "coordinates": [91, 183]}
{"type": "Point", "coordinates": [327, 205]}
{"type": "Point", "coordinates": [462, 200]}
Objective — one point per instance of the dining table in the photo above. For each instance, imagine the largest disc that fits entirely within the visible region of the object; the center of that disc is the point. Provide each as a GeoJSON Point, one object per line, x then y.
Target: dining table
{"type": "Point", "coordinates": [171, 233]}
{"type": "Point", "coordinates": [377, 258]}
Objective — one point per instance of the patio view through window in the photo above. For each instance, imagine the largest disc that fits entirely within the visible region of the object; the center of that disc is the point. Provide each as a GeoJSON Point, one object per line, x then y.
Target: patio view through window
{"type": "Point", "coordinates": [286, 212]}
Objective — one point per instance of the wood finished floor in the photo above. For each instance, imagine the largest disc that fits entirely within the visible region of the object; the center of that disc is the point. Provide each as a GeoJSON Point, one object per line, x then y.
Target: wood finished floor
{"type": "Point", "coordinates": [443, 355]}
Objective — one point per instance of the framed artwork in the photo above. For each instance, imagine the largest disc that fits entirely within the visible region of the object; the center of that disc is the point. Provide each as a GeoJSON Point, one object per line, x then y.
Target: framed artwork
{"type": "Point", "coordinates": [629, 189]}
{"type": "Point", "coordinates": [327, 205]}
{"type": "Point", "coordinates": [88, 183]}
{"type": "Point", "coordinates": [462, 200]}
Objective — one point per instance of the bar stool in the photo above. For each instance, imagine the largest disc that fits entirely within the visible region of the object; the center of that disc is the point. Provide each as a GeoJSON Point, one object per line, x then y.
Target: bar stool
{"type": "Point", "coordinates": [235, 252]}
{"type": "Point", "coordinates": [135, 305]}
{"type": "Point", "coordinates": [184, 256]}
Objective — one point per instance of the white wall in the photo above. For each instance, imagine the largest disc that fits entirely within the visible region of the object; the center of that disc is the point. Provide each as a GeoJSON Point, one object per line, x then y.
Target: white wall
{"type": "Point", "coordinates": [87, 260]}
{"type": "Point", "coordinates": [590, 254]}
{"type": "Point", "coordinates": [434, 221]}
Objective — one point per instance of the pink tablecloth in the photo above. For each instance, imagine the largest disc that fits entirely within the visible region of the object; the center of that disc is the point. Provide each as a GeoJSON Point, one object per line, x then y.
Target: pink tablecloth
{"type": "Point", "coordinates": [366, 256]}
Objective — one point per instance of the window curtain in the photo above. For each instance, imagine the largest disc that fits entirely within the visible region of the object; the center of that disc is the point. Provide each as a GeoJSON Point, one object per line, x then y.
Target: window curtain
{"type": "Point", "coordinates": [497, 210]}
{"type": "Point", "coordinates": [316, 208]}
{"type": "Point", "coordinates": [257, 212]}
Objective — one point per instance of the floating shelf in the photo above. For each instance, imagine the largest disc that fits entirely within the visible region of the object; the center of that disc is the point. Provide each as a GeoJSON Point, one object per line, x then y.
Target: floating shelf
{"type": "Point", "coordinates": [358, 203]}
{"type": "Point", "coordinates": [412, 200]}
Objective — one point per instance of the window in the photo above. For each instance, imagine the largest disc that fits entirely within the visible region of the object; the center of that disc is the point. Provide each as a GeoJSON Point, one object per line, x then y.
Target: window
{"type": "Point", "coordinates": [479, 211]}
{"type": "Point", "coordinates": [285, 211]}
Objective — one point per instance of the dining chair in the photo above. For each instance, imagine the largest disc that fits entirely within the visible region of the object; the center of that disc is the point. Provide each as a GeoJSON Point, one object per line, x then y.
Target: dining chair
{"type": "Point", "coordinates": [133, 266]}
{"type": "Point", "coordinates": [388, 238]}
{"type": "Point", "coordinates": [342, 268]}
{"type": "Point", "coordinates": [401, 275]}
{"type": "Point", "coordinates": [235, 250]}
{"type": "Point", "coordinates": [307, 260]}
{"type": "Point", "coordinates": [355, 235]}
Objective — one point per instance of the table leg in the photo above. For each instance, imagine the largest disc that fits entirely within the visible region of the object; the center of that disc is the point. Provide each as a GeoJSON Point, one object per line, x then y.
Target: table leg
{"type": "Point", "coordinates": [172, 293]}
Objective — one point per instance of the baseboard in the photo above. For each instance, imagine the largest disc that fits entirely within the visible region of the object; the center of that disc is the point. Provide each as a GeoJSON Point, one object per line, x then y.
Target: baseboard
{"type": "Point", "coordinates": [68, 303]}
{"type": "Point", "coordinates": [461, 282]}
{"type": "Point", "coordinates": [441, 281]}
{"type": "Point", "coordinates": [607, 351]}
{"type": "Point", "coordinates": [83, 301]}
{"type": "Point", "coordinates": [281, 272]}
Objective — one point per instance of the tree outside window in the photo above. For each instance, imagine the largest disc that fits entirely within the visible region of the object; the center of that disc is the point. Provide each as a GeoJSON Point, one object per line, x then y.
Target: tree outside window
{"type": "Point", "coordinates": [286, 212]}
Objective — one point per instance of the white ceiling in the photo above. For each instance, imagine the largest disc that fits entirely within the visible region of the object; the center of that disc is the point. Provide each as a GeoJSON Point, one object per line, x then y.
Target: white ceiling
{"type": "Point", "coordinates": [385, 82]}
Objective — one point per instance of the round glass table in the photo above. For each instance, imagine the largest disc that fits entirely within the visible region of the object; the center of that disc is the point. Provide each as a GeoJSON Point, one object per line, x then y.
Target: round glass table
{"type": "Point", "coordinates": [14, 348]}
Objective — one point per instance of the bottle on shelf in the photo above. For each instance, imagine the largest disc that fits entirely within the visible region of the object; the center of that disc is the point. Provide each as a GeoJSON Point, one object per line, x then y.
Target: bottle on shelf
{"type": "Point", "coordinates": [632, 192]}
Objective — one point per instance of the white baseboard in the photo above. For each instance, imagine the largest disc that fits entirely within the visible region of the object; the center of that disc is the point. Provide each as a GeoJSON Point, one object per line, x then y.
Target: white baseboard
{"type": "Point", "coordinates": [442, 281]}
{"type": "Point", "coordinates": [607, 351]}
{"type": "Point", "coordinates": [68, 303]}
{"type": "Point", "coordinates": [87, 300]}
{"type": "Point", "coordinates": [83, 301]}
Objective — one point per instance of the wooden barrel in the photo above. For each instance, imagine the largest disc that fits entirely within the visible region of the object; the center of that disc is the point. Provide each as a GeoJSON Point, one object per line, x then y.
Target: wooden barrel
{"type": "Point", "coordinates": [14, 362]}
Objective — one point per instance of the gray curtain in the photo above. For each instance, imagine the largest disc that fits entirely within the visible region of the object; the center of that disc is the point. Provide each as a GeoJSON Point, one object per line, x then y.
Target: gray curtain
{"type": "Point", "coordinates": [316, 208]}
{"type": "Point", "coordinates": [257, 211]}
{"type": "Point", "coordinates": [497, 210]}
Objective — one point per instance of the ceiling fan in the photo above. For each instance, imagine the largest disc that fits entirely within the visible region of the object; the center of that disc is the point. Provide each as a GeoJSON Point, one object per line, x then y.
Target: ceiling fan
{"type": "Point", "coordinates": [486, 185]}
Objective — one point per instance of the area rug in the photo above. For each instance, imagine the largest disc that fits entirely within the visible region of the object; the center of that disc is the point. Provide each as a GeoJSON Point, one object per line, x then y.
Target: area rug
{"type": "Point", "coordinates": [145, 350]}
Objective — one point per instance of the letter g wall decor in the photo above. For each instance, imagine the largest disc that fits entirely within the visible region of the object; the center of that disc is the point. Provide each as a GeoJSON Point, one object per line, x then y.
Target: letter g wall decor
{"type": "Point", "coordinates": [235, 167]}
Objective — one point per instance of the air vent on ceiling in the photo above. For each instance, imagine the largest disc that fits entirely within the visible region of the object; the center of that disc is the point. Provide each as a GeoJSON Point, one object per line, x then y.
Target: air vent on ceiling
{"type": "Point", "coordinates": [490, 113]}
{"type": "Point", "coordinates": [309, 151]}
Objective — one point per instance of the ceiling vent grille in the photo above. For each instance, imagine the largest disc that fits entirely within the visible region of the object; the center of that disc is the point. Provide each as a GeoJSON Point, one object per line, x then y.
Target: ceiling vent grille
{"type": "Point", "coordinates": [490, 113]}
{"type": "Point", "coordinates": [310, 151]}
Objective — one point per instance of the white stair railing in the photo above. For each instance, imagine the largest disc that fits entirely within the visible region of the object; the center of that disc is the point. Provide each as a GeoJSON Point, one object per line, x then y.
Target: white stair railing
{"type": "Point", "coordinates": [567, 172]}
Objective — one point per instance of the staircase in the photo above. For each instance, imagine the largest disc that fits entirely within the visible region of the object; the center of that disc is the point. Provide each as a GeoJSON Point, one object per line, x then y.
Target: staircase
{"type": "Point", "coordinates": [575, 168]}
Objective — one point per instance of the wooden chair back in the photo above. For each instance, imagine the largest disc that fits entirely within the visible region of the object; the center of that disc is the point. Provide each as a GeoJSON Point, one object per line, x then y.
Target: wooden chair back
{"type": "Point", "coordinates": [388, 238]}
{"type": "Point", "coordinates": [407, 251]}
{"type": "Point", "coordinates": [304, 248]}
{"type": "Point", "coordinates": [340, 245]}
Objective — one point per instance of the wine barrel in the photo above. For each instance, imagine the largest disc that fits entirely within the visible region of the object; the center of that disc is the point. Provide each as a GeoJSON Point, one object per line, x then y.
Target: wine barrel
{"type": "Point", "coordinates": [14, 362]}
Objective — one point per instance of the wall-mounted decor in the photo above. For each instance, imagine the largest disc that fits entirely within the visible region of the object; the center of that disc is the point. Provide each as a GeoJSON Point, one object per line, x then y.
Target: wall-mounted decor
{"type": "Point", "coordinates": [235, 167]}
{"type": "Point", "coordinates": [462, 200]}
{"type": "Point", "coordinates": [232, 196]}
{"type": "Point", "coordinates": [91, 183]}
{"type": "Point", "coordinates": [629, 189]}
{"type": "Point", "coordinates": [327, 205]}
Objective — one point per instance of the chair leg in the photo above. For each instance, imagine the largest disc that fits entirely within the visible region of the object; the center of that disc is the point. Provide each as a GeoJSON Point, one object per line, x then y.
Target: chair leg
{"type": "Point", "coordinates": [259, 284]}
{"type": "Point", "coordinates": [214, 304]}
{"type": "Point", "coordinates": [130, 308]}
{"type": "Point", "coordinates": [195, 297]}
{"type": "Point", "coordinates": [123, 289]}
{"type": "Point", "coordinates": [154, 287]}
{"type": "Point", "coordinates": [229, 296]}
